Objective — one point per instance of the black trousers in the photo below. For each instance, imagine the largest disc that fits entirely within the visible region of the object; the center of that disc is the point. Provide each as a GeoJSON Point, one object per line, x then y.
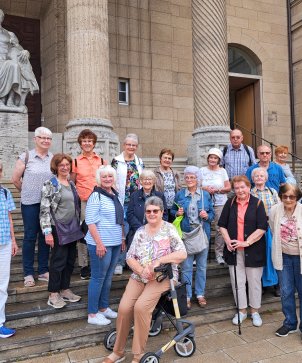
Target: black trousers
{"type": "Point", "coordinates": [61, 264]}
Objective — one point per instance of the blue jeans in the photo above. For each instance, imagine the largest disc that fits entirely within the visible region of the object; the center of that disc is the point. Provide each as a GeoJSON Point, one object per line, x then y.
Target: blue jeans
{"type": "Point", "coordinates": [122, 258]}
{"type": "Point", "coordinates": [32, 230]}
{"type": "Point", "coordinates": [201, 273]}
{"type": "Point", "coordinates": [102, 269]}
{"type": "Point", "coordinates": [290, 280]}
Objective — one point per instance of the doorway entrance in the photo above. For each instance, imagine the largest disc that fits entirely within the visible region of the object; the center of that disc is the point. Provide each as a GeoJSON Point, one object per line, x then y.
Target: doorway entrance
{"type": "Point", "coordinates": [245, 106]}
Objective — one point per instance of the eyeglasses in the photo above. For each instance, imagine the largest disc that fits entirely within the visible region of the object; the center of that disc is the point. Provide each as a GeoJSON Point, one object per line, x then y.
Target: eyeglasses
{"type": "Point", "coordinates": [131, 145]}
{"type": "Point", "coordinates": [44, 138]}
{"type": "Point", "coordinates": [61, 166]}
{"type": "Point", "coordinates": [147, 180]}
{"type": "Point", "coordinates": [154, 211]}
{"type": "Point", "coordinates": [264, 152]}
{"type": "Point", "coordinates": [290, 197]}
{"type": "Point", "coordinates": [190, 178]}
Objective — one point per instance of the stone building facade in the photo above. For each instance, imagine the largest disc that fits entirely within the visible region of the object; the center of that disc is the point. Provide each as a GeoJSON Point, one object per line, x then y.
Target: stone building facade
{"type": "Point", "coordinates": [189, 66]}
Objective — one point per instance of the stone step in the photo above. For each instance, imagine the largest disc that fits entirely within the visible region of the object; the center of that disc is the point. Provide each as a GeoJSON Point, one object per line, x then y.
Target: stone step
{"type": "Point", "coordinates": [56, 336]}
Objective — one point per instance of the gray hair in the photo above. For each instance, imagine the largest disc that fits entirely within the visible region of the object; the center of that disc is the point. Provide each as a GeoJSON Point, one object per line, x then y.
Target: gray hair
{"type": "Point", "coordinates": [254, 171]}
{"type": "Point", "coordinates": [133, 137]}
{"type": "Point", "coordinates": [147, 173]}
{"type": "Point", "coordinates": [42, 131]}
{"type": "Point", "coordinates": [156, 201]}
{"type": "Point", "coordinates": [104, 169]}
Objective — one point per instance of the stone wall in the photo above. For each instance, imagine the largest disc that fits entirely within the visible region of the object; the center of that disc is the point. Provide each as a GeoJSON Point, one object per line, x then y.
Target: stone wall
{"type": "Point", "coordinates": [261, 26]}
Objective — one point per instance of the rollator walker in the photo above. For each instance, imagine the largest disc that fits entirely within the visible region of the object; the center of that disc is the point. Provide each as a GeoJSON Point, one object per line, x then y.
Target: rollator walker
{"type": "Point", "coordinates": [172, 305]}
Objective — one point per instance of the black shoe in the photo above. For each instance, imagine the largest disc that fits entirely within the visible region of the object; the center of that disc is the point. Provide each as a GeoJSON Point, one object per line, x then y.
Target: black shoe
{"type": "Point", "coordinates": [277, 291]}
{"type": "Point", "coordinates": [85, 273]}
{"type": "Point", "coordinates": [284, 331]}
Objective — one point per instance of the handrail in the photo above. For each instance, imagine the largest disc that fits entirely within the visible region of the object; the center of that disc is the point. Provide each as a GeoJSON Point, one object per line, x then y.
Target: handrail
{"type": "Point", "coordinates": [272, 145]}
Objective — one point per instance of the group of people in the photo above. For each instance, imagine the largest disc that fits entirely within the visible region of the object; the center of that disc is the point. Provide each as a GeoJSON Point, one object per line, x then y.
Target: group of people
{"type": "Point", "coordinates": [128, 211]}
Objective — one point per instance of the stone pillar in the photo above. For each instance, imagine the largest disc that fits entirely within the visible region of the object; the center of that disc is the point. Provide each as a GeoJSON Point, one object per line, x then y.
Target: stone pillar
{"type": "Point", "coordinates": [88, 75]}
{"type": "Point", "coordinates": [210, 79]}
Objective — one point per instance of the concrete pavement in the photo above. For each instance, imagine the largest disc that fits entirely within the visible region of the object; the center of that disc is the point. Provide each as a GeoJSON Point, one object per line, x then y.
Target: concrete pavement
{"type": "Point", "coordinates": [216, 343]}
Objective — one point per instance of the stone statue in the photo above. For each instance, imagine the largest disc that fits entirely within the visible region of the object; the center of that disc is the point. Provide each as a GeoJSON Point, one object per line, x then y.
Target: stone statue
{"type": "Point", "coordinates": [16, 75]}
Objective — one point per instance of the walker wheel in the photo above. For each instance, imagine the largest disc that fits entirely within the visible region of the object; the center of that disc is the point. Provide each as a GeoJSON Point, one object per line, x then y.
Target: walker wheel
{"type": "Point", "coordinates": [149, 358]}
{"type": "Point", "coordinates": [109, 339]}
{"type": "Point", "coordinates": [157, 331]}
{"type": "Point", "coordinates": [186, 347]}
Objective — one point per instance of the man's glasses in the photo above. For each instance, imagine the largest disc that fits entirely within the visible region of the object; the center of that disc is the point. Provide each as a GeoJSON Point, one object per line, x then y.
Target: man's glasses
{"type": "Point", "coordinates": [290, 197]}
{"type": "Point", "coordinates": [152, 211]}
{"type": "Point", "coordinates": [264, 152]}
{"type": "Point", "coordinates": [44, 138]}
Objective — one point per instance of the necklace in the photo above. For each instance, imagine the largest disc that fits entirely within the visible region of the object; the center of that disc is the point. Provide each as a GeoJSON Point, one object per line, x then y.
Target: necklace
{"type": "Point", "coordinates": [288, 215]}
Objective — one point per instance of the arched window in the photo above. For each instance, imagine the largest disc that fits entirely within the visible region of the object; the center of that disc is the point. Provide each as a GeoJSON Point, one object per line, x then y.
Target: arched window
{"type": "Point", "coordinates": [242, 61]}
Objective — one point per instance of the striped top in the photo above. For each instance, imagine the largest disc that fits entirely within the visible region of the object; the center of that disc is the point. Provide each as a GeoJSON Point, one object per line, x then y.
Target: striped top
{"type": "Point", "coordinates": [101, 212]}
{"type": "Point", "coordinates": [7, 205]}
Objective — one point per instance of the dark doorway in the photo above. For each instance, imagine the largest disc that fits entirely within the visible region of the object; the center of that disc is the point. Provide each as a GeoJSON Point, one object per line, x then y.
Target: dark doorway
{"type": "Point", "coordinates": [28, 32]}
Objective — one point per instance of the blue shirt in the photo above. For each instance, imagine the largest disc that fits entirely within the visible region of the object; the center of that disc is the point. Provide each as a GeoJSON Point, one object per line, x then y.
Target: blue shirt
{"type": "Point", "coordinates": [6, 206]}
{"type": "Point", "coordinates": [275, 175]}
{"type": "Point", "coordinates": [100, 211]}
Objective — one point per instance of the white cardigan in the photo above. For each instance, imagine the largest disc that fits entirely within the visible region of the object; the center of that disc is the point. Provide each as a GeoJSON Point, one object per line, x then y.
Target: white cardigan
{"type": "Point", "coordinates": [276, 213]}
{"type": "Point", "coordinates": [121, 173]}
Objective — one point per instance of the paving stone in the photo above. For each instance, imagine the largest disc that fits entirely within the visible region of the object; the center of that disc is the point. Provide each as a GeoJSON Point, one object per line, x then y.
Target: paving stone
{"type": "Point", "coordinates": [291, 343]}
{"type": "Point", "coordinates": [214, 342]}
{"type": "Point", "coordinates": [87, 353]}
{"type": "Point", "coordinates": [214, 357]}
{"type": "Point", "coordinates": [57, 358]}
{"type": "Point", "coordinates": [253, 352]}
{"type": "Point", "coordinates": [266, 331]}
{"type": "Point", "coordinates": [294, 357]}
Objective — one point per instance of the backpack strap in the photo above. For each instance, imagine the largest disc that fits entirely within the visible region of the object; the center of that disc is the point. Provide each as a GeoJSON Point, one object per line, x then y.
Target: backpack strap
{"type": "Point", "coordinates": [5, 191]}
{"type": "Point", "coordinates": [249, 154]}
{"type": "Point", "coordinates": [76, 162]}
{"type": "Point", "coordinates": [55, 183]}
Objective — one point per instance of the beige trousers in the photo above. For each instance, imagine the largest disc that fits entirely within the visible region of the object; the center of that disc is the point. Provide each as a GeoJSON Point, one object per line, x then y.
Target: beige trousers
{"type": "Point", "coordinates": [137, 305]}
{"type": "Point", "coordinates": [252, 275]}
{"type": "Point", "coordinates": [219, 241]}
{"type": "Point", "coordinates": [82, 248]}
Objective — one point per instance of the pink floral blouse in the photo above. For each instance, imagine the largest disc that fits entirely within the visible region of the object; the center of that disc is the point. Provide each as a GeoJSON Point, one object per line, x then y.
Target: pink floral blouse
{"type": "Point", "coordinates": [145, 248]}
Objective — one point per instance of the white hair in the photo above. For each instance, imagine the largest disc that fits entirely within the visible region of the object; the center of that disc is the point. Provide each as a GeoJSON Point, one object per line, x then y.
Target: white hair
{"type": "Point", "coordinates": [254, 171]}
{"type": "Point", "coordinates": [104, 169]}
{"type": "Point", "coordinates": [42, 131]}
{"type": "Point", "coordinates": [133, 137]}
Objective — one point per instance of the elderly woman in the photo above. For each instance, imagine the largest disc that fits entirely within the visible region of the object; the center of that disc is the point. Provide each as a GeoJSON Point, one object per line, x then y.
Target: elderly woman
{"type": "Point", "coordinates": [243, 224]}
{"type": "Point", "coordinates": [167, 181]}
{"type": "Point", "coordinates": [281, 155]}
{"type": "Point", "coordinates": [269, 197]}
{"type": "Point", "coordinates": [155, 243]}
{"type": "Point", "coordinates": [60, 204]}
{"type": "Point", "coordinates": [105, 219]}
{"type": "Point", "coordinates": [136, 208]}
{"type": "Point", "coordinates": [128, 169]}
{"type": "Point", "coordinates": [8, 248]}
{"type": "Point", "coordinates": [196, 207]}
{"type": "Point", "coordinates": [215, 181]}
{"type": "Point", "coordinates": [285, 221]}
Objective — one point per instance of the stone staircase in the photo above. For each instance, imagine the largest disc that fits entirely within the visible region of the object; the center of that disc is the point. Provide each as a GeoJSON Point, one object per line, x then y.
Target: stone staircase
{"type": "Point", "coordinates": [42, 329]}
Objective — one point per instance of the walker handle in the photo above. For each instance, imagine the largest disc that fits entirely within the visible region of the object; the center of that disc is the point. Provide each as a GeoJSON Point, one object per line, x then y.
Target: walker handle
{"type": "Point", "coordinates": [165, 269]}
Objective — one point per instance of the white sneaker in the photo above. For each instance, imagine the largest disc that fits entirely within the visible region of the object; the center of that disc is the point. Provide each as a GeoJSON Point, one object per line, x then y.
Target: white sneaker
{"type": "Point", "coordinates": [98, 320]}
{"type": "Point", "coordinates": [108, 313]}
{"type": "Point", "coordinates": [257, 321]}
{"type": "Point", "coordinates": [241, 317]}
{"type": "Point", "coordinates": [118, 270]}
{"type": "Point", "coordinates": [220, 260]}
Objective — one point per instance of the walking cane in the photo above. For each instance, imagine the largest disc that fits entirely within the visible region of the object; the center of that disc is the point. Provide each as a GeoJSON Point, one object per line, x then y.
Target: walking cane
{"type": "Point", "coordinates": [236, 289]}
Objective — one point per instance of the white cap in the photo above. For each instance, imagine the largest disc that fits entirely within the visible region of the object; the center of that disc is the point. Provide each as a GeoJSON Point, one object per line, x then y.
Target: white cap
{"type": "Point", "coordinates": [215, 151]}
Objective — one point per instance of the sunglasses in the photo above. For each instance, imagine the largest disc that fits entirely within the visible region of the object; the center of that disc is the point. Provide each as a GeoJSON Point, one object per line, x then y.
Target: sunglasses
{"type": "Point", "coordinates": [152, 211]}
{"type": "Point", "coordinates": [290, 197]}
{"type": "Point", "coordinates": [264, 152]}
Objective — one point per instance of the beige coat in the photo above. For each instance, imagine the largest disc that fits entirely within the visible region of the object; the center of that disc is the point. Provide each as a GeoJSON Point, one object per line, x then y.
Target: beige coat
{"type": "Point", "coordinates": [276, 213]}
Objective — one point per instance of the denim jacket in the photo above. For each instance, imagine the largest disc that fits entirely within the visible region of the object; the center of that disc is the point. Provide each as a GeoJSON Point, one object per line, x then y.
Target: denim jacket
{"type": "Point", "coordinates": [184, 200]}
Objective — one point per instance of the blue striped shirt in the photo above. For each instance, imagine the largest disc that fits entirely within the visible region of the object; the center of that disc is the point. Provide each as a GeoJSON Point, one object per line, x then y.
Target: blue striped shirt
{"type": "Point", "coordinates": [6, 206]}
{"type": "Point", "coordinates": [101, 212]}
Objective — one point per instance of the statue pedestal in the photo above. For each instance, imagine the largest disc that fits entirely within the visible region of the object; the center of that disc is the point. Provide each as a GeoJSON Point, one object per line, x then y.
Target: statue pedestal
{"type": "Point", "coordinates": [14, 139]}
{"type": "Point", "coordinates": [107, 145]}
{"type": "Point", "coordinates": [203, 139]}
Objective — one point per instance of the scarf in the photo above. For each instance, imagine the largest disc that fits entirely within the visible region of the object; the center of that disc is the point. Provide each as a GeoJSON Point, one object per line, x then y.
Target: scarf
{"type": "Point", "coordinates": [119, 210]}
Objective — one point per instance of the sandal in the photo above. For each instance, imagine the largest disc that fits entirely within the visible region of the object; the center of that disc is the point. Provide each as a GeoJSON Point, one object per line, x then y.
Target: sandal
{"type": "Point", "coordinates": [202, 302]}
{"type": "Point", "coordinates": [29, 281]}
{"type": "Point", "coordinates": [44, 277]}
{"type": "Point", "coordinates": [109, 360]}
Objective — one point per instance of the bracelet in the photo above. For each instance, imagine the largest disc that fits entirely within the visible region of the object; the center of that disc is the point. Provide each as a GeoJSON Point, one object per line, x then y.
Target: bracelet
{"type": "Point", "coordinates": [47, 231]}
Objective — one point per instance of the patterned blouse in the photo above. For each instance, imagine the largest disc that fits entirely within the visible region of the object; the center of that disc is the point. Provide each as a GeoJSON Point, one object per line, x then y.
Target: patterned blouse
{"type": "Point", "coordinates": [146, 249]}
{"type": "Point", "coordinates": [169, 190]}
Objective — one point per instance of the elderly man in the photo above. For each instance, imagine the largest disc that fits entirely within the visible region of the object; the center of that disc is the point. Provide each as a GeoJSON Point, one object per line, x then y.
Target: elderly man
{"type": "Point", "coordinates": [31, 171]}
{"type": "Point", "coordinates": [128, 168]}
{"type": "Point", "coordinates": [275, 172]}
{"type": "Point", "coordinates": [237, 157]}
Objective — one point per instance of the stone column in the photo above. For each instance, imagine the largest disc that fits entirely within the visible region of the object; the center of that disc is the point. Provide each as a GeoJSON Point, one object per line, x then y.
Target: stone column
{"type": "Point", "coordinates": [210, 79]}
{"type": "Point", "coordinates": [88, 75]}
